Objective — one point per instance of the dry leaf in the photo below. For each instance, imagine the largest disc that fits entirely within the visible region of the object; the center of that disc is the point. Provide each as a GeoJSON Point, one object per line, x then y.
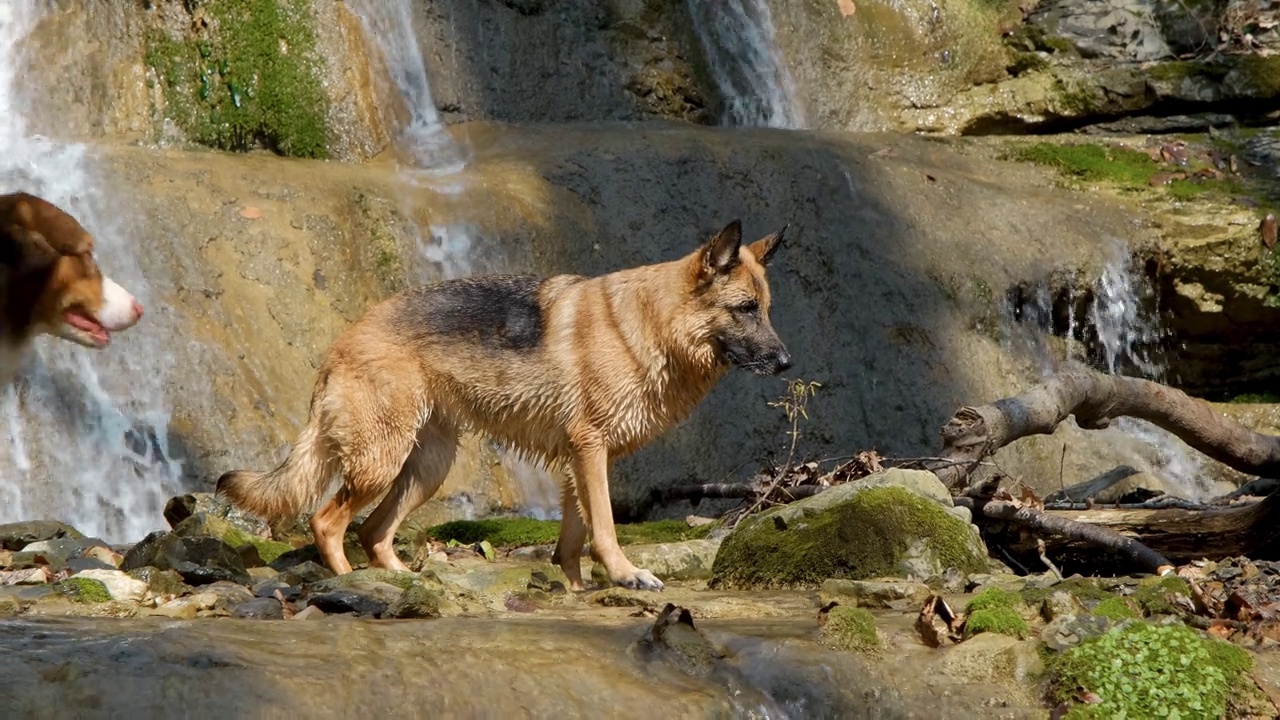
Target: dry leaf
{"type": "Point", "coordinates": [250, 212]}
{"type": "Point", "coordinates": [847, 7]}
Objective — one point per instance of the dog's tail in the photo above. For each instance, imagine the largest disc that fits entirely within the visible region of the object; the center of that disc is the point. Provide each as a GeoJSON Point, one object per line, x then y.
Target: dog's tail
{"type": "Point", "coordinates": [296, 485]}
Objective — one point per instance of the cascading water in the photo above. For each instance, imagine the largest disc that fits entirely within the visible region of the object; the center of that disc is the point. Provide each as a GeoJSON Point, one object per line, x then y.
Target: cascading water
{"type": "Point", "coordinates": [737, 37]}
{"type": "Point", "coordinates": [436, 164]}
{"type": "Point", "coordinates": [86, 440]}
{"type": "Point", "coordinates": [1128, 332]}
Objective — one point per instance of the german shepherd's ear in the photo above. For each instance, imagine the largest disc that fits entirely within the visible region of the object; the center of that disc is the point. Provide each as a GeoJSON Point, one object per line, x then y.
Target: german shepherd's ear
{"type": "Point", "coordinates": [720, 254]}
{"type": "Point", "coordinates": [765, 247]}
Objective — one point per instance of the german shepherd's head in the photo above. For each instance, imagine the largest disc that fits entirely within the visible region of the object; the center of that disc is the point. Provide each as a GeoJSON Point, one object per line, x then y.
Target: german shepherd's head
{"type": "Point", "coordinates": [731, 299]}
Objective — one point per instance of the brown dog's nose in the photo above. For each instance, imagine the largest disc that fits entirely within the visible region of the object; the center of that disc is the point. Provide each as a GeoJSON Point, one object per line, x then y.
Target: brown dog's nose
{"type": "Point", "coordinates": [137, 309]}
{"type": "Point", "coordinates": [783, 362]}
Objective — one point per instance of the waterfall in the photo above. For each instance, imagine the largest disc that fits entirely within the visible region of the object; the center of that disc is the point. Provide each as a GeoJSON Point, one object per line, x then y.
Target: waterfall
{"type": "Point", "coordinates": [1122, 317]}
{"type": "Point", "coordinates": [86, 440]}
{"type": "Point", "coordinates": [437, 163]}
{"type": "Point", "coordinates": [737, 38]}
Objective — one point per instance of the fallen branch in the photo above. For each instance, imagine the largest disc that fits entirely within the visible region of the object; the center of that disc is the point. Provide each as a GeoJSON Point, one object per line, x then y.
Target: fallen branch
{"type": "Point", "coordinates": [1068, 529]}
{"type": "Point", "coordinates": [1095, 399]}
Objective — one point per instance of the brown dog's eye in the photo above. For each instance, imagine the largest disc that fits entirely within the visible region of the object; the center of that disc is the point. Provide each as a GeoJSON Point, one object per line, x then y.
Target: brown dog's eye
{"type": "Point", "coordinates": [748, 308]}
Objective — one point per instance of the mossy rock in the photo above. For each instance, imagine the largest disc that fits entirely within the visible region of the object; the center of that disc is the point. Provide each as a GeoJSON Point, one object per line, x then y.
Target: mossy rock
{"type": "Point", "coordinates": [83, 590]}
{"type": "Point", "coordinates": [1160, 596]}
{"type": "Point", "coordinates": [205, 525]}
{"type": "Point", "coordinates": [1082, 588]}
{"type": "Point", "coordinates": [1144, 670]}
{"type": "Point", "coordinates": [873, 528]}
{"type": "Point", "coordinates": [245, 76]}
{"type": "Point", "coordinates": [992, 598]}
{"type": "Point", "coordinates": [1116, 609]}
{"type": "Point", "coordinates": [850, 628]}
{"type": "Point", "coordinates": [997, 619]}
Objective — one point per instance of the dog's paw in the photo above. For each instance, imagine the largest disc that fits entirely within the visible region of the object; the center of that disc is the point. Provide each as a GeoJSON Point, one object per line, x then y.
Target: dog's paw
{"type": "Point", "coordinates": [639, 580]}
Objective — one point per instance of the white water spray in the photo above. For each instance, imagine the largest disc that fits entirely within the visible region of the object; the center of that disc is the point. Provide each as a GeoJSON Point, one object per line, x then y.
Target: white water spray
{"type": "Point", "coordinates": [86, 441]}
{"type": "Point", "coordinates": [438, 160]}
{"type": "Point", "coordinates": [737, 38]}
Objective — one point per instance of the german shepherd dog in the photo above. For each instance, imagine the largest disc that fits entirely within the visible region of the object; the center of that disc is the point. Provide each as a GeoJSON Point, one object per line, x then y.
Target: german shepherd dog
{"type": "Point", "coordinates": [569, 371]}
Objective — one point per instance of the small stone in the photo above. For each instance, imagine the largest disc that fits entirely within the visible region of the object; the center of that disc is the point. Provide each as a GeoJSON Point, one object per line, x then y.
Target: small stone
{"type": "Point", "coordinates": [311, 612]}
{"type": "Point", "coordinates": [181, 507]}
{"type": "Point", "coordinates": [262, 608]}
{"type": "Point", "coordinates": [183, 608]}
{"type": "Point", "coordinates": [105, 555]}
{"type": "Point", "coordinates": [1058, 604]}
{"type": "Point", "coordinates": [160, 582]}
{"type": "Point", "coordinates": [29, 576]}
{"type": "Point", "coordinates": [416, 602]}
{"type": "Point", "coordinates": [1070, 630]}
{"type": "Point", "coordinates": [119, 586]}
{"type": "Point", "coordinates": [304, 573]}
{"type": "Point", "coordinates": [262, 573]}
{"type": "Point", "coordinates": [9, 606]}
{"type": "Point", "coordinates": [883, 594]}
{"type": "Point", "coordinates": [85, 590]}
{"type": "Point", "coordinates": [76, 565]}
{"type": "Point", "coordinates": [989, 657]}
{"type": "Point", "coordinates": [56, 552]}
{"type": "Point", "coordinates": [348, 601]}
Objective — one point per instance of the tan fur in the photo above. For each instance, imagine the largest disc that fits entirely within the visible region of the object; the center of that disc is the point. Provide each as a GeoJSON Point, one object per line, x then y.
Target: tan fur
{"type": "Point", "coordinates": [620, 358]}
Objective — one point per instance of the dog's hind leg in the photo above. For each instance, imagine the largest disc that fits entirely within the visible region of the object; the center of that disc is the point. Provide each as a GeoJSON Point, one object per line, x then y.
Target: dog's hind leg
{"type": "Point", "coordinates": [573, 534]}
{"type": "Point", "coordinates": [420, 477]}
{"type": "Point", "coordinates": [373, 434]}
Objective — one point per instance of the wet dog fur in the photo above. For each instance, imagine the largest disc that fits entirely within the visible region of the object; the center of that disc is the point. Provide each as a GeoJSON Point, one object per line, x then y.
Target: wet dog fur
{"type": "Point", "coordinates": [50, 282]}
{"type": "Point", "coordinates": [570, 371]}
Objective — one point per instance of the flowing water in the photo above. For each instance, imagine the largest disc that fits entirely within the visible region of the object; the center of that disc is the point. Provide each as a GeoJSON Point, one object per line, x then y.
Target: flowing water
{"type": "Point", "coordinates": [437, 162]}
{"type": "Point", "coordinates": [85, 430]}
{"type": "Point", "coordinates": [1127, 337]}
{"type": "Point", "coordinates": [737, 38]}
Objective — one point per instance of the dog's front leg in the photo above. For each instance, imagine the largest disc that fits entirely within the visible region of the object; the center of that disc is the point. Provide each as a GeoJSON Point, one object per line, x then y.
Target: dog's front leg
{"type": "Point", "coordinates": [591, 479]}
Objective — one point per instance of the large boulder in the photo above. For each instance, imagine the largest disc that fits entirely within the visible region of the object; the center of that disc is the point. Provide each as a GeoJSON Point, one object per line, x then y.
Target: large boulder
{"type": "Point", "coordinates": [893, 523]}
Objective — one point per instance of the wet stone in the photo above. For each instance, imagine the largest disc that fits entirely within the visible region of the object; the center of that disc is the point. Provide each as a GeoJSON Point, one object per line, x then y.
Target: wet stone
{"type": "Point", "coordinates": [348, 601]}
{"type": "Point", "coordinates": [16, 536]}
{"type": "Point", "coordinates": [261, 608]}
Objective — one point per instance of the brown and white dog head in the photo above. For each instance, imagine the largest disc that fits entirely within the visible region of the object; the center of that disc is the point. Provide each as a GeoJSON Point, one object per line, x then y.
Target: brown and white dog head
{"type": "Point", "coordinates": [49, 281]}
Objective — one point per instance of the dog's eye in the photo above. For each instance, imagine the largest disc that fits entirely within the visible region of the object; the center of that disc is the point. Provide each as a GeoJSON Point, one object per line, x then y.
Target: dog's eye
{"type": "Point", "coordinates": [747, 308]}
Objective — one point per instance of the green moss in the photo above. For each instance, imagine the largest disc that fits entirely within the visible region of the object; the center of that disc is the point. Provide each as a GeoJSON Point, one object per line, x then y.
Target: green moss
{"type": "Point", "coordinates": [268, 550]}
{"type": "Point", "coordinates": [850, 628]}
{"type": "Point", "coordinates": [993, 598]}
{"type": "Point", "coordinates": [863, 537]}
{"type": "Point", "coordinates": [248, 79]}
{"type": "Point", "coordinates": [1261, 74]}
{"type": "Point", "coordinates": [1079, 587]}
{"type": "Point", "coordinates": [82, 589]}
{"type": "Point", "coordinates": [1155, 595]}
{"type": "Point", "coordinates": [1116, 609]}
{"type": "Point", "coordinates": [1003, 620]}
{"type": "Point", "coordinates": [521, 532]}
{"type": "Point", "coordinates": [1092, 162]}
{"type": "Point", "coordinates": [1142, 670]}
{"type": "Point", "coordinates": [1176, 70]}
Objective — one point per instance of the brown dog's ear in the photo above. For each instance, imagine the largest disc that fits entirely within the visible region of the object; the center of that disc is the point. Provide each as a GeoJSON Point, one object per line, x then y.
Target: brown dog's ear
{"type": "Point", "coordinates": [765, 247]}
{"type": "Point", "coordinates": [26, 251]}
{"type": "Point", "coordinates": [720, 254]}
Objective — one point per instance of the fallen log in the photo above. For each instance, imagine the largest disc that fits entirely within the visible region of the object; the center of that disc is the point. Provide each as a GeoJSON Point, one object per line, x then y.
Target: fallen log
{"type": "Point", "coordinates": [1095, 399]}
{"type": "Point", "coordinates": [1052, 525]}
{"type": "Point", "coordinates": [1184, 535]}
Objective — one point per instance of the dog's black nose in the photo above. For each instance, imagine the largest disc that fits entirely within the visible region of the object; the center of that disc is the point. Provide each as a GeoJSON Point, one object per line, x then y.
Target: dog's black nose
{"type": "Point", "coordinates": [782, 362]}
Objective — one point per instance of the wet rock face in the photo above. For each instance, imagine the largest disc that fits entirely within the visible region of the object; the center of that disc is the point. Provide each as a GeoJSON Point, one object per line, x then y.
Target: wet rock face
{"type": "Point", "coordinates": [1114, 29]}
{"type": "Point", "coordinates": [568, 61]}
